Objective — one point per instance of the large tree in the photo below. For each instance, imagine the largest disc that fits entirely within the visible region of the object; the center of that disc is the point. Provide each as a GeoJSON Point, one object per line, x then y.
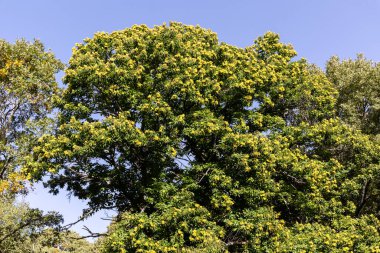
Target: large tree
{"type": "Point", "coordinates": [204, 146]}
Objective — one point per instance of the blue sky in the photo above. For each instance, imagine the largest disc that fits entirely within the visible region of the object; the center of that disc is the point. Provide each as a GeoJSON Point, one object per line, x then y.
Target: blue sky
{"type": "Point", "coordinates": [317, 29]}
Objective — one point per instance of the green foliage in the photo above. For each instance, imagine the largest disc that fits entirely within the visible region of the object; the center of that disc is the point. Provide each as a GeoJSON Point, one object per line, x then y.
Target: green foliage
{"type": "Point", "coordinates": [176, 222]}
{"type": "Point", "coordinates": [51, 241]}
{"type": "Point", "coordinates": [343, 235]}
{"type": "Point", "coordinates": [27, 230]}
{"type": "Point", "coordinates": [20, 225]}
{"type": "Point", "coordinates": [27, 83]}
{"type": "Point", "coordinates": [359, 94]}
{"type": "Point", "coordinates": [205, 147]}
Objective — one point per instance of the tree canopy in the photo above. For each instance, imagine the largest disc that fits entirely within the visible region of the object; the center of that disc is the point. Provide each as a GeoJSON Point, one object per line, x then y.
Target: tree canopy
{"type": "Point", "coordinates": [206, 147]}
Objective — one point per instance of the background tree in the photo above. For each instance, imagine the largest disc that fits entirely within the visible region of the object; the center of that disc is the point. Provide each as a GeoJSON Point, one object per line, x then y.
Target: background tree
{"type": "Point", "coordinates": [27, 83]}
{"type": "Point", "coordinates": [358, 83]}
{"type": "Point", "coordinates": [21, 225]}
{"type": "Point", "coordinates": [51, 241]}
{"type": "Point", "coordinates": [27, 230]}
{"type": "Point", "coordinates": [203, 146]}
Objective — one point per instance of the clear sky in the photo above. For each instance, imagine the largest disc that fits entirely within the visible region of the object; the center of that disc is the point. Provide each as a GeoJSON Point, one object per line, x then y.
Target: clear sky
{"type": "Point", "coordinates": [317, 29]}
